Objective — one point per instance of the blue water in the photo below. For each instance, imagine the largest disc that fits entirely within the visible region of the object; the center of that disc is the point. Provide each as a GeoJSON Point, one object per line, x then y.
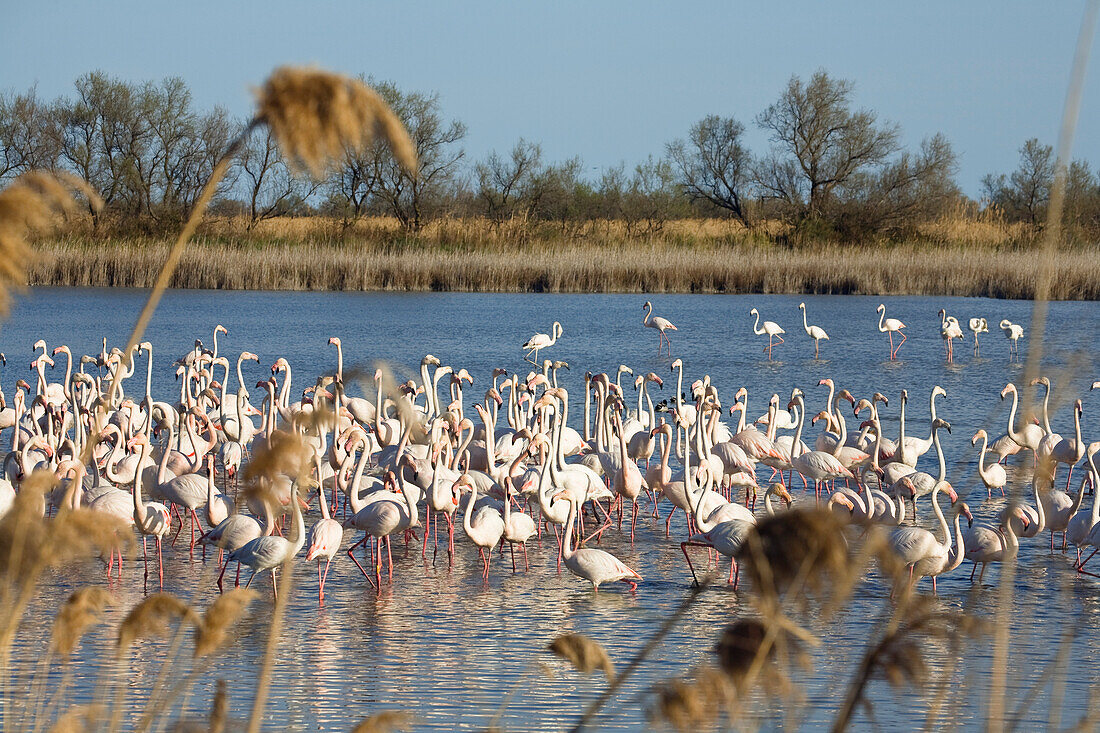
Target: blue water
{"type": "Point", "coordinates": [448, 647]}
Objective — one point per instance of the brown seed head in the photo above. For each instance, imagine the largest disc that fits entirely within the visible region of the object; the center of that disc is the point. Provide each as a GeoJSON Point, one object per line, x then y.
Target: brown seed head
{"type": "Point", "coordinates": [384, 722]}
{"type": "Point", "coordinates": [152, 617]}
{"type": "Point", "coordinates": [318, 116]}
{"type": "Point", "coordinates": [583, 653]}
{"type": "Point", "coordinates": [84, 608]}
{"type": "Point", "coordinates": [32, 203]}
{"type": "Point", "coordinates": [803, 547]}
{"type": "Point", "coordinates": [223, 612]}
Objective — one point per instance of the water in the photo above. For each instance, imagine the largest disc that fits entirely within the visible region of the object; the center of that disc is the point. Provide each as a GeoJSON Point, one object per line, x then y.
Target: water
{"type": "Point", "coordinates": [448, 647]}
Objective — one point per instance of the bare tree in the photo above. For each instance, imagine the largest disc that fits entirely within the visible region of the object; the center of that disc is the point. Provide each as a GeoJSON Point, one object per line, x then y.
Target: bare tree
{"type": "Point", "coordinates": [506, 187]}
{"type": "Point", "coordinates": [29, 137]}
{"type": "Point", "coordinates": [1082, 195]}
{"type": "Point", "coordinates": [819, 143]}
{"type": "Point", "coordinates": [354, 186]}
{"type": "Point", "coordinates": [901, 192]}
{"type": "Point", "coordinates": [713, 165]}
{"type": "Point", "coordinates": [438, 156]}
{"type": "Point", "coordinates": [270, 187]}
{"type": "Point", "coordinates": [1025, 193]}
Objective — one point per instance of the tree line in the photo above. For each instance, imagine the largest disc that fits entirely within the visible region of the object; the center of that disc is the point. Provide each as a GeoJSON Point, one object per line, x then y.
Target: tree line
{"type": "Point", "coordinates": [829, 170]}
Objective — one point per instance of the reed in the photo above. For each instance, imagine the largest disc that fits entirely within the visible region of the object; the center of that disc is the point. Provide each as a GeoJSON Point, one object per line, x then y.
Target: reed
{"type": "Point", "coordinates": [629, 267]}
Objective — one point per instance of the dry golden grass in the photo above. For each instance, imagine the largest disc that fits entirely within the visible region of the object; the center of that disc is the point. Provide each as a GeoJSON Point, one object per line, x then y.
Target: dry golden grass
{"type": "Point", "coordinates": [572, 267]}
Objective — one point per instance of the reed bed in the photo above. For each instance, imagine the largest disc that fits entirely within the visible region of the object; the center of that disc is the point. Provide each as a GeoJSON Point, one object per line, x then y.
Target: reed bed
{"type": "Point", "coordinates": [570, 267]}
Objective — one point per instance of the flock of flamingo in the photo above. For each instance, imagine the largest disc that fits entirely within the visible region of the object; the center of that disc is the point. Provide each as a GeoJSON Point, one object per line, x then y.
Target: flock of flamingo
{"type": "Point", "coordinates": [949, 331]}
{"type": "Point", "coordinates": [507, 466]}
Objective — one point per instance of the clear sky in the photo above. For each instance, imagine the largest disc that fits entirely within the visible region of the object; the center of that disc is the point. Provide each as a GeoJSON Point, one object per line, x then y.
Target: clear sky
{"type": "Point", "coordinates": [609, 81]}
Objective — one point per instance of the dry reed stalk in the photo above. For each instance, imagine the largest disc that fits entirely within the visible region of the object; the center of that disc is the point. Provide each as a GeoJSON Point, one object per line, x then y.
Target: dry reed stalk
{"type": "Point", "coordinates": [568, 267]}
{"type": "Point", "coordinates": [263, 683]}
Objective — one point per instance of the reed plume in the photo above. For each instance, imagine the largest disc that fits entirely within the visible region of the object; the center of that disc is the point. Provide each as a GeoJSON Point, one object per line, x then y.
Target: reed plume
{"type": "Point", "coordinates": [78, 719]}
{"type": "Point", "coordinates": [584, 653]}
{"type": "Point", "coordinates": [84, 608]}
{"type": "Point", "coordinates": [210, 634]}
{"type": "Point", "coordinates": [151, 617]}
{"type": "Point", "coordinates": [384, 722]}
{"type": "Point", "coordinates": [317, 117]}
{"type": "Point", "coordinates": [32, 203]}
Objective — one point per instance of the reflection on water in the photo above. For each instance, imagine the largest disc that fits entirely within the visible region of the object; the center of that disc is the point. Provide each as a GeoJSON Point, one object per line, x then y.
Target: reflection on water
{"type": "Point", "coordinates": [448, 646]}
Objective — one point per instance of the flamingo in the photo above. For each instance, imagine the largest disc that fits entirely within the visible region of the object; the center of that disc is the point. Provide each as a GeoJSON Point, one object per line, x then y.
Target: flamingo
{"type": "Point", "coordinates": [890, 326]}
{"type": "Point", "coordinates": [540, 341]}
{"type": "Point", "coordinates": [661, 324]}
{"type": "Point", "coordinates": [1013, 333]}
{"type": "Point", "coordinates": [817, 333]}
{"type": "Point", "coordinates": [921, 552]}
{"type": "Point", "coordinates": [949, 331]}
{"type": "Point", "coordinates": [978, 325]}
{"type": "Point", "coordinates": [323, 542]}
{"type": "Point", "coordinates": [518, 528]}
{"type": "Point", "coordinates": [993, 474]}
{"type": "Point", "coordinates": [771, 328]}
{"type": "Point", "coordinates": [484, 529]}
{"type": "Point", "coordinates": [595, 566]}
{"type": "Point", "coordinates": [268, 552]}
{"type": "Point", "coordinates": [1030, 435]}
{"type": "Point", "coordinates": [985, 545]}
{"type": "Point", "coordinates": [816, 465]}
{"type": "Point", "coordinates": [150, 519]}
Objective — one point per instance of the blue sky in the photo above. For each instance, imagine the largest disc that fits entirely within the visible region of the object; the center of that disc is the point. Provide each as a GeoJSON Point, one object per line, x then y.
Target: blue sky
{"type": "Point", "coordinates": [609, 81]}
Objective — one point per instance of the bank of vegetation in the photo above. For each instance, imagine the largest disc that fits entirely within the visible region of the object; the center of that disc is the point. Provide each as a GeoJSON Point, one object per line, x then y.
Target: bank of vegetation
{"type": "Point", "coordinates": [836, 204]}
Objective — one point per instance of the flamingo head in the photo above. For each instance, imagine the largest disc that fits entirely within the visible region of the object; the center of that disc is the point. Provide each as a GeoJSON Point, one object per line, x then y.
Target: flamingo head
{"type": "Point", "coordinates": [844, 501]}
{"type": "Point", "coordinates": [825, 383]}
{"type": "Point", "coordinates": [429, 360]}
{"type": "Point", "coordinates": [845, 394]}
{"type": "Point", "coordinates": [941, 424]}
{"type": "Point", "coordinates": [1010, 387]}
{"type": "Point", "coordinates": [781, 491]}
{"type": "Point", "coordinates": [880, 397]}
{"type": "Point", "coordinates": [950, 492]}
{"type": "Point", "coordinates": [859, 407]}
{"type": "Point", "coordinates": [978, 436]}
{"type": "Point", "coordinates": [138, 439]}
{"type": "Point", "coordinates": [678, 364]}
{"type": "Point", "coordinates": [907, 484]}
{"type": "Point", "coordinates": [654, 378]}
{"type": "Point", "coordinates": [964, 510]}
{"type": "Point", "coordinates": [820, 416]}
{"type": "Point", "coordinates": [334, 341]}
{"type": "Point", "coordinates": [499, 372]}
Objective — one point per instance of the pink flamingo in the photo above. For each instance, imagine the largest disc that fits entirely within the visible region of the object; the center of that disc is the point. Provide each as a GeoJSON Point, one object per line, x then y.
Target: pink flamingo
{"type": "Point", "coordinates": [890, 326]}
{"type": "Point", "coordinates": [661, 324]}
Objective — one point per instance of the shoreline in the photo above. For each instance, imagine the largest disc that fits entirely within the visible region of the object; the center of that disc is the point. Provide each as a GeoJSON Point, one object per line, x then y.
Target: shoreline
{"type": "Point", "coordinates": [571, 267]}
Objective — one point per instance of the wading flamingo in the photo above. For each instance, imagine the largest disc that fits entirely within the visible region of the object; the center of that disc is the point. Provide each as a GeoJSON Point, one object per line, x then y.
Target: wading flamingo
{"type": "Point", "coordinates": [978, 325]}
{"type": "Point", "coordinates": [771, 328]}
{"type": "Point", "coordinates": [541, 341]}
{"type": "Point", "coordinates": [1013, 333]}
{"type": "Point", "coordinates": [890, 326]}
{"type": "Point", "coordinates": [661, 324]}
{"type": "Point", "coordinates": [817, 333]}
{"type": "Point", "coordinates": [595, 566]}
{"type": "Point", "coordinates": [949, 331]}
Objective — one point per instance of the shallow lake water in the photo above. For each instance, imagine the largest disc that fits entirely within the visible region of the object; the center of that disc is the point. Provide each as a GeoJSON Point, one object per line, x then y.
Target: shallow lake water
{"type": "Point", "coordinates": [447, 646]}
